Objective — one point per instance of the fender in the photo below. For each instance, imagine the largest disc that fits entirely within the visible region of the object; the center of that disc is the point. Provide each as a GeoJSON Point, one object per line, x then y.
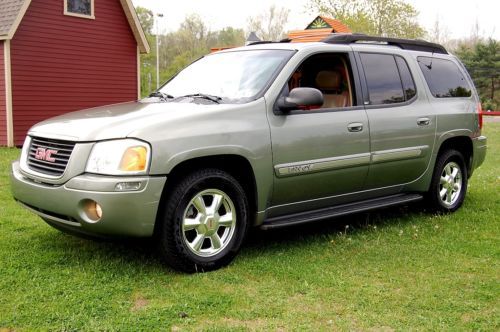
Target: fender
{"type": "Point", "coordinates": [260, 164]}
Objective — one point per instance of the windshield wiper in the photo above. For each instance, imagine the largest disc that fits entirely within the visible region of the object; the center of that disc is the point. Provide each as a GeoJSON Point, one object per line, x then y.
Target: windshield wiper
{"type": "Point", "coordinates": [161, 95]}
{"type": "Point", "coordinates": [215, 99]}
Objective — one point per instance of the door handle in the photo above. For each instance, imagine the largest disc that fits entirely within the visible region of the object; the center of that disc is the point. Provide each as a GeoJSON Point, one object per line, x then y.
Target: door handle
{"type": "Point", "coordinates": [355, 127]}
{"type": "Point", "coordinates": [423, 121]}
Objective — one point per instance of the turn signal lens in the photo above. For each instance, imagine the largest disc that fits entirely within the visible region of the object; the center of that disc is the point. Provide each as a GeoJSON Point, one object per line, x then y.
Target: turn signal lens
{"type": "Point", "coordinates": [134, 159]}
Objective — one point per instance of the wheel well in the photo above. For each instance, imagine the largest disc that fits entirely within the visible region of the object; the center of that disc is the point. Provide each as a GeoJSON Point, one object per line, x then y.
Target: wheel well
{"type": "Point", "coordinates": [239, 167]}
{"type": "Point", "coordinates": [462, 144]}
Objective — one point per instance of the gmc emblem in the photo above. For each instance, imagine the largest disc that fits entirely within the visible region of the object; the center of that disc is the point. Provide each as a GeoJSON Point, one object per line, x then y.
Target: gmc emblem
{"type": "Point", "coordinates": [45, 154]}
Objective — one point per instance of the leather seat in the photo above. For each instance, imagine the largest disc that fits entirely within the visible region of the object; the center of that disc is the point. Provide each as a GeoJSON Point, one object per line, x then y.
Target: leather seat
{"type": "Point", "coordinates": [329, 82]}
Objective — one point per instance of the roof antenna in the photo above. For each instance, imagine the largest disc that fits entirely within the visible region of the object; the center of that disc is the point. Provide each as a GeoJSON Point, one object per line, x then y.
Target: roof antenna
{"type": "Point", "coordinates": [429, 66]}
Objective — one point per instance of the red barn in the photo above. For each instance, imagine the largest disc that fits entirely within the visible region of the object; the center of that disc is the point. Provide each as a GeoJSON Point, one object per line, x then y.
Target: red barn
{"type": "Point", "coordinates": [59, 56]}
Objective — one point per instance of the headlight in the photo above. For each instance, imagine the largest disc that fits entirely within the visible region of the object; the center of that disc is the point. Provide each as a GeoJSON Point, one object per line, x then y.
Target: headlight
{"type": "Point", "coordinates": [120, 157]}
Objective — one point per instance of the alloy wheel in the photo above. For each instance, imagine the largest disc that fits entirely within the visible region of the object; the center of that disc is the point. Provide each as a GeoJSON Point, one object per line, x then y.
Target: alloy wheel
{"type": "Point", "coordinates": [209, 222]}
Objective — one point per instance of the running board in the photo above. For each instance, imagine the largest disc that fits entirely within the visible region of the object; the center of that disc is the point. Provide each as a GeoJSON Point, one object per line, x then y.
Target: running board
{"type": "Point", "coordinates": [339, 210]}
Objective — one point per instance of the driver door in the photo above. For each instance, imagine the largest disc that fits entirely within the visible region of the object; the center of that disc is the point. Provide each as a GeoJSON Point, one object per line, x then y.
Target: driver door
{"type": "Point", "coordinates": [323, 153]}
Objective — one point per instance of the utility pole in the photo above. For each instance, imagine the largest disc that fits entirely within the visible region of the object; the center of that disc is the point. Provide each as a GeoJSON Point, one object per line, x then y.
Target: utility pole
{"type": "Point", "coordinates": [158, 15]}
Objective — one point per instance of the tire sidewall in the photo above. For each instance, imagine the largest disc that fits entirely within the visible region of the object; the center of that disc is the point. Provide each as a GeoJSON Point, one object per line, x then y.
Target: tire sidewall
{"type": "Point", "coordinates": [191, 186]}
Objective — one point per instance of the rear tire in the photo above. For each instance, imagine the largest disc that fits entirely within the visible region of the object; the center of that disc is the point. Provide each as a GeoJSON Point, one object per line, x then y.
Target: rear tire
{"type": "Point", "coordinates": [449, 182]}
{"type": "Point", "coordinates": [204, 223]}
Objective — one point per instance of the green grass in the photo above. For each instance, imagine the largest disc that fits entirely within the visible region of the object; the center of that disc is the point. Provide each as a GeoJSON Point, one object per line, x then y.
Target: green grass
{"type": "Point", "coordinates": [395, 269]}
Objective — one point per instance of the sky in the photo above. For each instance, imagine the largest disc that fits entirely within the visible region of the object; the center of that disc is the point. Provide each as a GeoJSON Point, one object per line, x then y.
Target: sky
{"type": "Point", "coordinates": [458, 17]}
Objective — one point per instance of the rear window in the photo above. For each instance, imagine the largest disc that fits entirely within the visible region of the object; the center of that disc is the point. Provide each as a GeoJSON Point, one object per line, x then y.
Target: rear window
{"type": "Point", "coordinates": [444, 78]}
{"type": "Point", "coordinates": [388, 77]}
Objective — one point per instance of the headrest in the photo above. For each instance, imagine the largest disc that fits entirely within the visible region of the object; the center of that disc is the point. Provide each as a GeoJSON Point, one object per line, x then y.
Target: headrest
{"type": "Point", "coordinates": [328, 80]}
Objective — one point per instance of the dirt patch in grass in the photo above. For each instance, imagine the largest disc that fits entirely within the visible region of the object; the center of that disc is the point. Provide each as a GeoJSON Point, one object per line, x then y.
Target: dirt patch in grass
{"type": "Point", "coordinates": [139, 303]}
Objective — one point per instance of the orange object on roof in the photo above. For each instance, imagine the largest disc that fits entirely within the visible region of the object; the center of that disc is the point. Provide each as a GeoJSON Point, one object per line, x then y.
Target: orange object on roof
{"type": "Point", "coordinates": [217, 49]}
{"type": "Point", "coordinates": [318, 29]}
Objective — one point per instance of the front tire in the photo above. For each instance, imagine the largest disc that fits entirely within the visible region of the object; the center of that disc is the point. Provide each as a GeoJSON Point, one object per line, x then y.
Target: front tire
{"type": "Point", "coordinates": [449, 182]}
{"type": "Point", "coordinates": [204, 223]}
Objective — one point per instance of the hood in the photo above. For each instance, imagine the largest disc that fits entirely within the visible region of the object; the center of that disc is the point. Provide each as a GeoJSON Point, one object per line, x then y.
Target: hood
{"type": "Point", "coordinates": [119, 120]}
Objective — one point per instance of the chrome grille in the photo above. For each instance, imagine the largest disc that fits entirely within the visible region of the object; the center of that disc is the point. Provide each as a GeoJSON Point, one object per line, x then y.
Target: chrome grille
{"type": "Point", "coordinates": [53, 164]}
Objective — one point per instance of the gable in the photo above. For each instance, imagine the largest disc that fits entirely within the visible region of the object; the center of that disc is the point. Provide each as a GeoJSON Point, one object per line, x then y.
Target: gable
{"type": "Point", "coordinates": [318, 23]}
{"type": "Point", "coordinates": [323, 22]}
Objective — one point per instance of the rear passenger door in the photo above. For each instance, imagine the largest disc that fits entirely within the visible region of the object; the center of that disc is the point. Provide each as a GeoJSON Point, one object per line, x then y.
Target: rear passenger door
{"type": "Point", "coordinates": [402, 122]}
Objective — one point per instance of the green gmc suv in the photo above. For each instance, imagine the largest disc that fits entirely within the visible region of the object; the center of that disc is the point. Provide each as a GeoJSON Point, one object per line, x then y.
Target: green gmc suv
{"type": "Point", "coordinates": [267, 135]}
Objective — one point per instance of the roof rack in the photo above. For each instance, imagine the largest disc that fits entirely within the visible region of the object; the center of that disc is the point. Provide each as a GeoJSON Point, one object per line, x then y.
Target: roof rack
{"type": "Point", "coordinates": [260, 42]}
{"type": "Point", "coordinates": [406, 44]}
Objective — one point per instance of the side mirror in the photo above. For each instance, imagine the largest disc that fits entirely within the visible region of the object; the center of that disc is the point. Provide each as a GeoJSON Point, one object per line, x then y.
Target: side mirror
{"type": "Point", "coordinates": [301, 98]}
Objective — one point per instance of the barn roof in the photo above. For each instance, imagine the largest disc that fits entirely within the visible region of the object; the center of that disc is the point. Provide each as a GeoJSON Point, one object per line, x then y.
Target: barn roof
{"type": "Point", "coordinates": [12, 13]}
{"type": "Point", "coordinates": [9, 10]}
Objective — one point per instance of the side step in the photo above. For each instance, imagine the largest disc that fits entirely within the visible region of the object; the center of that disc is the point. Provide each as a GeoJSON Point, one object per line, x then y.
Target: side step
{"type": "Point", "coordinates": [339, 210]}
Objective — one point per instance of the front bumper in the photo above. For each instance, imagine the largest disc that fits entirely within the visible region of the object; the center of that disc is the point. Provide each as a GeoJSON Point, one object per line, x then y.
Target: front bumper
{"type": "Point", "coordinates": [130, 213]}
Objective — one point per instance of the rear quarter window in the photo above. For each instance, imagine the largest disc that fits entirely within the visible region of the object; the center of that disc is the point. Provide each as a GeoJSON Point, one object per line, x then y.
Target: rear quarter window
{"type": "Point", "coordinates": [406, 78]}
{"type": "Point", "coordinates": [444, 78]}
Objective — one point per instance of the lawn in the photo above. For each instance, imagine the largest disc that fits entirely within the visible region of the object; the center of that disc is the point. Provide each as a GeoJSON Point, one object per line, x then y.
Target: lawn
{"type": "Point", "coordinates": [395, 269]}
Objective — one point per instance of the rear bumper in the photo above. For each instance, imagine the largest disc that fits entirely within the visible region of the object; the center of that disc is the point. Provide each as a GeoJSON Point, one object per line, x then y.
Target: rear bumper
{"type": "Point", "coordinates": [479, 151]}
{"type": "Point", "coordinates": [130, 213]}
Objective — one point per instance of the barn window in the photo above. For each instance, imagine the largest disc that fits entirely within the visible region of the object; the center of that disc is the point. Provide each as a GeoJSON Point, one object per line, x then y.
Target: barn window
{"type": "Point", "coordinates": [79, 8]}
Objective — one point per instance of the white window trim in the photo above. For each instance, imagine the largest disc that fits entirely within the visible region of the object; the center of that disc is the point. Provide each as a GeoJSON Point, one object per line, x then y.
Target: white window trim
{"type": "Point", "coordinates": [8, 94]}
{"type": "Point", "coordinates": [91, 16]}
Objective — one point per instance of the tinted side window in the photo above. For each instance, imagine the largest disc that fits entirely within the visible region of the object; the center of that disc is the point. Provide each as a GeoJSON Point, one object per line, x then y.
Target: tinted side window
{"type": "Point", "coordinates": [382, 76]}
{"type": "Point", "coordinates": [406, 78]}
{"type": "Point", "coordinates": [444, 78]}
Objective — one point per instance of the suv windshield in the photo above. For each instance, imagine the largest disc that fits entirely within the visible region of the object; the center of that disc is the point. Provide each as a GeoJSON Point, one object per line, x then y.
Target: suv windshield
{"type": "Point", "coordinates": [237, 76]}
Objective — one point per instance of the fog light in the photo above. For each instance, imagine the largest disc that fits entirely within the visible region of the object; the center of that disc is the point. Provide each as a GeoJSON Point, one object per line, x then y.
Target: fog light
{"type": "Point", "coordinates": [127, 186]}
{"type": "Point", "coordinates": [98, 210]}
{"type": "Point", "coordinates": [93, 210]}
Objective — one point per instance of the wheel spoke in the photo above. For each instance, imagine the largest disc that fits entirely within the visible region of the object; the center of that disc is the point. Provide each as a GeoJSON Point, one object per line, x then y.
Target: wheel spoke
{"type": "Point", "coordinates": [216, 242]}
{"type": "Point", "coordinates": [216, 203]}
{"type": "Point", "coordinates": [199, 204]}
{"type": "Point", "coordinates": [454, 173]}
{"type": "Point", "coordinates": [197, 242]}
{"type": "Point", "coordinates": [449, 195]}
{"type": "Point", "coordinates": [226, 220]}
{"type": "Point", "coordinates": [443, 192]}
{"type": "Point", "coordinates": [447, 169]}
{"type": "Point", "coordinates": [190, 223]}
{"type": "Point", "coordinates": [443, 180]}
{"type": "Point", "coordinates": [456, 187]}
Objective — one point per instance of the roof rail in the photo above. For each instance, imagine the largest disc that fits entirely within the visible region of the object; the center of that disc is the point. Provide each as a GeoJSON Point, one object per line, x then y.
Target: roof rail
{"type": "Point", "coordinates": [406, 44]}
{"type": "Point", "coordinates": [286, 40]}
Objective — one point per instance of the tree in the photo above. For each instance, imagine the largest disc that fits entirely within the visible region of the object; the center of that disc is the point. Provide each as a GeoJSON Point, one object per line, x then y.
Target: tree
{"type": "Point", "coordinates": [269, 25]}
{"type": "Point", "coordinates": [230, 37]}
{"type": "Point", "coordinates": [394, 18]}
{"type": "Point", "coordinates": [148, 61]}
{"type": "Point", "coordinates": [146, 17]}
{"type": "Point", "coordinates": [439, 33]}
{"type": "Point", "coordinates": [483, 63]}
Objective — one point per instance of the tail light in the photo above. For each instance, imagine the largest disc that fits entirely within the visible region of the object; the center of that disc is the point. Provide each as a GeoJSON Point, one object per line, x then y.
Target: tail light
{"type": "Point", "coordinates": [480, 114]}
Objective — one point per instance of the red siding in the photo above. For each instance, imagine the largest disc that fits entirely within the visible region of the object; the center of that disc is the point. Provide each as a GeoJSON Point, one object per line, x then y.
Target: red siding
{"type": "Point", "coordinates": [63, 63]}
{"type": "Point", "coordinates": [3, 119]}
